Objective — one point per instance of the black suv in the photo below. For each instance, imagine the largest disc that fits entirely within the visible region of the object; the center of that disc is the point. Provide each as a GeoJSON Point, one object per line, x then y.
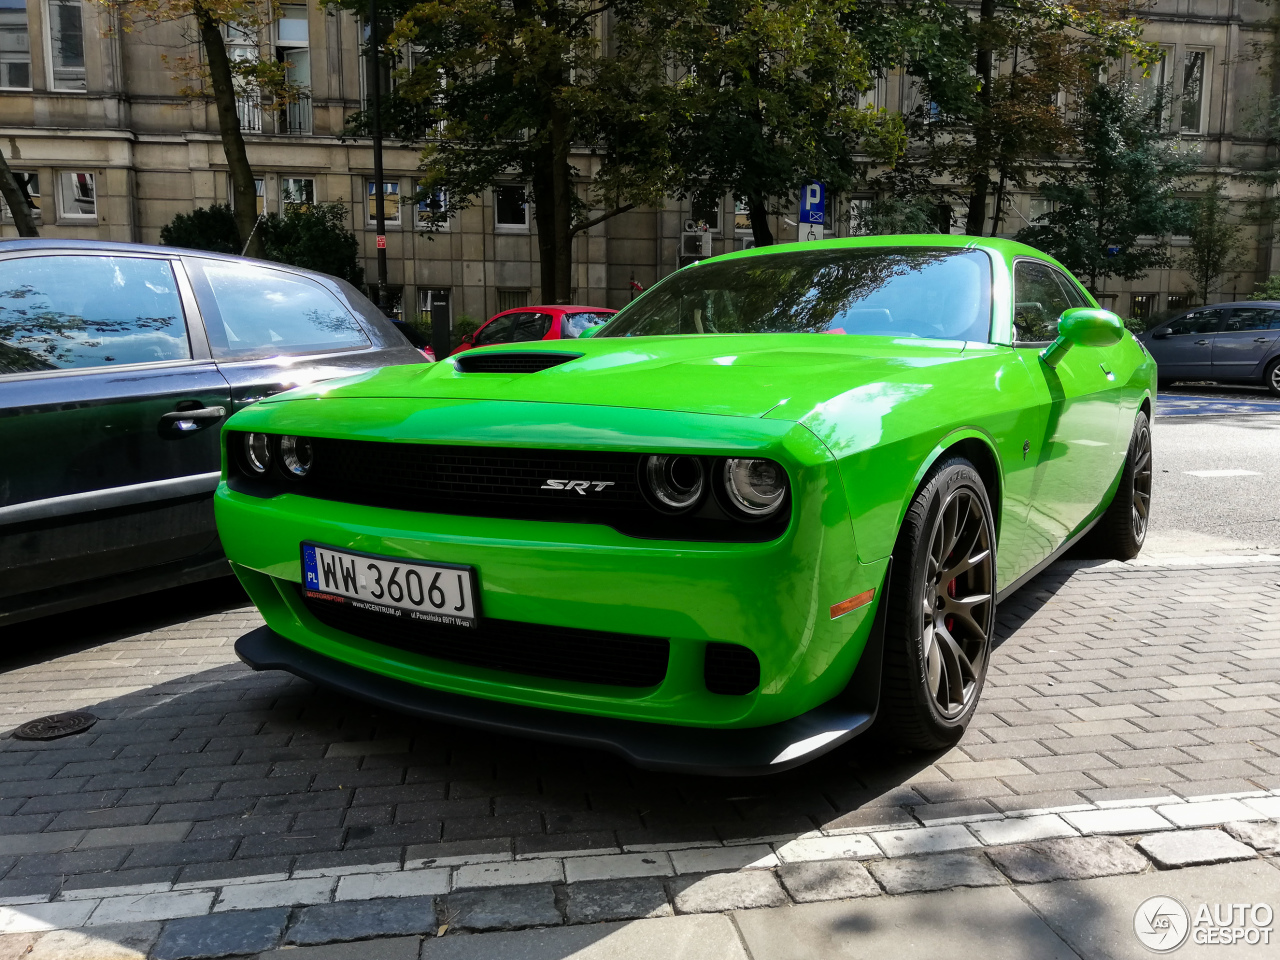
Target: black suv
{"type": "Point", "coordinates": [118, 364]}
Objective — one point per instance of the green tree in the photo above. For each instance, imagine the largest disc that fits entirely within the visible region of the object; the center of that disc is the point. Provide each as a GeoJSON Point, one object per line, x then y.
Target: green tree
{"type": "Point", "coordinates": [1115, 202]}
{"type": "Point", "coordinates": [501, 90]}
{"type": "Point", "coordinates": [767, 98]}
{"type": "Point", "coordinates": [1216, 252]}
{"type": "Point", "coordinates": [1267, 290]}
{"type": "Point", "coordinates": [213, 74]}
{"type": "Point", "coordinates": [212, 228]}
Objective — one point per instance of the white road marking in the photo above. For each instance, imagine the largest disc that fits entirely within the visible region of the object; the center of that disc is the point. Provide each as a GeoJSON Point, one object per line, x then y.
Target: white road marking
{"type": "Point", "coordinates": [1222, 473]}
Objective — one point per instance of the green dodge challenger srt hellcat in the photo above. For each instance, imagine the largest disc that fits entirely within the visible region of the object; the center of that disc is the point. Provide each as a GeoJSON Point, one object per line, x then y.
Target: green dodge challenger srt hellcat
{"type": "Point", "coordinates": [780, 493]}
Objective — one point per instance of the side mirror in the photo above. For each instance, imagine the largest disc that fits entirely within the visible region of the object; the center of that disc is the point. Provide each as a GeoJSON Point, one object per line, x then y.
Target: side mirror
{"type": "Point", "coordinates": [1085, 327]}
{"type": "Point", "coordinates": [590, 331]}
{"type": "Point", "coordinates": [1160, 333]}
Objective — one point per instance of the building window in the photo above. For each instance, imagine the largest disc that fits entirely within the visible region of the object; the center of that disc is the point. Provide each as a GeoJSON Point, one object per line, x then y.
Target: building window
{"type": "Point", "coordinates": [1038, 208]}
{"type": "Point", "coordinates": [1141, 305]}
{"type": "Point", "coordinates": [741, 217]}
{"type": "Point", "coordinates": [242, 44]}
{"type": "Point", "coordinates": [433, 213]}
{"type": "Point", "coordinates": [510, 209]}
{"type": "Point", "coordinates": [707, 213]}
{"type": "Point", "coordinates": [259, 189]}
{"type": "Point", "coordinates": [512, 299]}
{"type": "Point", "coordinates": [390, 202]}
{"type": "Point", "coordinates": [297, 193]}
{"type": "Point", "coordinates": [28, 183]}
{"type": "Point", "coordinates": [15, 46]}
{"type": "Point", "coordinates": [1155, 84]}
{"type": "Point", "coordinates": [1194, 90]}
{"type": "Point", "coordinates": [66, 45]}
{"type": "Point", "coordinates": [293, 46]}
{"type": "Point", "coordinates": [77, 196]}
{"type": "Point", "coordinates": [1177, 302]}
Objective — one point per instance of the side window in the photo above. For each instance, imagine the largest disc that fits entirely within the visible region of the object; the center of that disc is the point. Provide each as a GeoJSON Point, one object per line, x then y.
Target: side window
{"type": "Point", "coordinates": [65, 312]}
{"type": "Point", "coordinates": [261, 312]}
{"type": "Point", "coordinates": [496, 331]}
{"type": "Point", "coordinates": [1038, 301]}
{"type": "Point", "coordinates": [573, 325]}
{"type": "Point", "coordinates": [530, 326]}
{"type": "Point", "coordinates": [1197, 322]}
{"type": "Point", "coordinates": [1253, 318]}
{"type": "Point", "coordinates": [1075, 297]}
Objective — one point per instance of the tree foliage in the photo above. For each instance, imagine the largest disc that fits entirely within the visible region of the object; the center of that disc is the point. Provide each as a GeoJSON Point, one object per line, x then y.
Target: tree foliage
{"type": "Point", "coordinates": [767, 97]}
{"type": "Point", "coordinates": [1216, 253]}
{"type": "Point", "coordinates": [1269, 289]}
{"type": "Point", "coordinates": [1115, 202]}
{"type": "Point", "coordinates": [313, 237]}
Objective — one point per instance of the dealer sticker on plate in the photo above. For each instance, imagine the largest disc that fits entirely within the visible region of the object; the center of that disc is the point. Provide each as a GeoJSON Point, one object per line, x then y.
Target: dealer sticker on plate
{"type": "Point", "coordinates": [435, 592]}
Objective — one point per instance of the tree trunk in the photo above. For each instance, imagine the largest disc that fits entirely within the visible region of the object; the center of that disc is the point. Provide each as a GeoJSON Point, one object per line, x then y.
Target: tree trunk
{"type": "Point", "coordinates": [759, 214]}
{"type": "Point", "coordinates": [244, 194]}
{"type": "Point", "coordinates": [983, 135]}
{"type": "Point", "coordinates": [17, 200]}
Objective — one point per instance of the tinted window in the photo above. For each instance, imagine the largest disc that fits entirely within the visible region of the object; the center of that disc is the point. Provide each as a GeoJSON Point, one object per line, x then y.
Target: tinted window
{"type": "Point", "coordinates": [529, 326]}
{"type": "Point", "coordinates": [497, 330]}
{"type": "Point", "coordinates": [1253, 318]}
{"type": "Point", "coordinates": [1075, 296]}
{"type": "Point", "coordinates": [264, 313]}
{"type": "Point", "coordinates": [898, 292]}
{"type": "Point", "coordinates": [572, 325]}
{"type": "Point", "coordinates": [76, 311]}
{"type": "Point", "coordinates": [1038, 301]}
{"type": "Point", "coordinates": [1198, 321]}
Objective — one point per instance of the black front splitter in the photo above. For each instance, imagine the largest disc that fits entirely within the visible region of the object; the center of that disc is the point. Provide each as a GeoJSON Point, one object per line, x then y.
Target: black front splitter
{"type": "Point", "coordinates": [652, 746]}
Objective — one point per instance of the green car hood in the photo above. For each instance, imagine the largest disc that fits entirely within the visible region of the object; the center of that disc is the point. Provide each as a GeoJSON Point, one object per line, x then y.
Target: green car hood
{"type": "Point", "coordinates": [746, 375]}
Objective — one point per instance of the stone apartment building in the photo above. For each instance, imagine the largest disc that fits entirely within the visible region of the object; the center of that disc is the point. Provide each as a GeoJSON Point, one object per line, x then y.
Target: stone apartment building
{"type": "Point", "coordinates": [112, 151]}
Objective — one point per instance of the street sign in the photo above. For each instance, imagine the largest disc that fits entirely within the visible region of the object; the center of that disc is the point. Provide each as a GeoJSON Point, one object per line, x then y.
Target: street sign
{"type": "Point", "coordinates": [382, 242]}
{"type": "Point", "coordinates": [813, 204]}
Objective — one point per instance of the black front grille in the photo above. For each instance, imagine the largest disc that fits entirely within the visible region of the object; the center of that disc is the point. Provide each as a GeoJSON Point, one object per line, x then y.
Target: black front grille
{"type": "Point", "coordinates": [564, 486]}
{"type": "Point", "coordinates": [559, 653]}
{"type": "Point", "coordinates": [512, 362]}
{"type": "Point", "coordinates": [731, 668]}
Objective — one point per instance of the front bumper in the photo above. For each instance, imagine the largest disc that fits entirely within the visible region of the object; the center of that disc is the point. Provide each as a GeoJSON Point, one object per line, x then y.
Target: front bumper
{"type": "Point", "coordinates": [650, 746]}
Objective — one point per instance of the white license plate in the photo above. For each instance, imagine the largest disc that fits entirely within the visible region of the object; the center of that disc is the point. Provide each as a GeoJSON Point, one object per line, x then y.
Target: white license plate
{"type": "Point", "coordinates": [434, 592]}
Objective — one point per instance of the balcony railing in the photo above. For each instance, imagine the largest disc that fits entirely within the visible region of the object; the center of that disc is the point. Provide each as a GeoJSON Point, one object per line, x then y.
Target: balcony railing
{"type": "Point", "coordinates": [249, 110]}
{"type": "Point", "coordinates": [295, 118]}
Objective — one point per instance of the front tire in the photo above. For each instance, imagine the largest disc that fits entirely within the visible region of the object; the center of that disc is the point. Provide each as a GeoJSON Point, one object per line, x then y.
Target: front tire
{"type": "Point", "coordinates": [941, 613]}
{"type": "Point", "coordinates": [1272, 378]}
{"type": "Point", "coordinates": [1122, 529]}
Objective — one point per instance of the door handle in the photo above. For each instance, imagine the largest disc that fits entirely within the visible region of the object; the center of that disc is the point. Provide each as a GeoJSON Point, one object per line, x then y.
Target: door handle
{"type": "Point", "coordinates": [188, 421]}
{"type": "Point", "coordinates": [1201, 343]}
{"type": "Point", "coordinates": [1261, 339]}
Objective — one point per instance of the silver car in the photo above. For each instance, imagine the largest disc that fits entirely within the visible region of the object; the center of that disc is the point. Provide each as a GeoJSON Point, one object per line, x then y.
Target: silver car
{"type": "Point", "coordinates": [1226, 342]}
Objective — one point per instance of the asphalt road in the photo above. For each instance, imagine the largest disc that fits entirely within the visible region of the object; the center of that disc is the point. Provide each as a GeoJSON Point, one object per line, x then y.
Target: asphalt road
{"type": "Point", "coordinates": [1217, 483]}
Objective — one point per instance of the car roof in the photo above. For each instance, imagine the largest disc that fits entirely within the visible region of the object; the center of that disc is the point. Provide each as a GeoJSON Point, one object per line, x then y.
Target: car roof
{"type": "Point", "coordinates": [553, 308]}
{"type": "Point", "coordinates": [10, 244]}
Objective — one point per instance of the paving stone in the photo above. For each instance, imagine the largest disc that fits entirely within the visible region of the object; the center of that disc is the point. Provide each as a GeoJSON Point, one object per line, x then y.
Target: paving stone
{"type": "Point", "coordinates": [1263, 837]}
{"type": "Point", "coordinates": [220, 934]}
{"type": "Point", "coordinates": [1069, 859]}
{"type": "Point", "coordinates": [902, 843]}
{"type": "Point", "coordinates": [40, 842]}
{"type": "Point", "coordinates": [362, 919]}
{"type": "Point", "coordinates": [504, 908]}
{"type": "Point", "coordinates": [634, 898]}
{"type": "Point", "coordinates": [390, 948]}
{"type": "Point", "coordinates": [131, 941]}
{"type": "Point", "coordinates": [1191, 848]}
{"type": "Point", "coordinates": [617, 866]}
{"type": "Point", "coordinates": [277, 893]}
{"type": "Point", "coordinates": [726, 891]}
{"type": "Point", "coordinates": [813, 881]}
{"type": "Point", "coordinates": [152, 906]}
{"type": "Point", "coordinates": [1207, 813]}
{"type": "Point", "coordinates": [706, 859]}
{"type": "Point", "coordinates": [458, 853]}
{"type": "Point", "coordinates": [941, 871]}
{"type": "Point", "coordinates": [407, 883]}
{"type": "Point", "coordinates": [508, 874]}
{"type": "Point", "coordinates": [1022, 829]}
{"type": "Point", "coordinates": [671, 938]}
{"type": "Point", "coordinates": [1119, 820]}
{"type": "Point", "coordinates": [844, 847]}
{"type": "Point", "coordinates": [36, 917]}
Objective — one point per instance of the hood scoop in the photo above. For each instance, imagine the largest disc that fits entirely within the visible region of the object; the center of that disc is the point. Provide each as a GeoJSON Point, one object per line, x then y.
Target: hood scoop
{"type": "Point", "coordinates": [511, 362]}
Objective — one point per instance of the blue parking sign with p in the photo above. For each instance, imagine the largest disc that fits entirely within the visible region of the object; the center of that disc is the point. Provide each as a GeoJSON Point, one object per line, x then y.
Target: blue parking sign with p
{"type": "Point", "coordinates": [813, 203]}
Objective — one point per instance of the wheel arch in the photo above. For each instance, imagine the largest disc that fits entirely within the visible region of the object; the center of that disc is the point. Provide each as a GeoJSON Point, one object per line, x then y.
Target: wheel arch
{"type": "Point", "coordinates": [979, 449]}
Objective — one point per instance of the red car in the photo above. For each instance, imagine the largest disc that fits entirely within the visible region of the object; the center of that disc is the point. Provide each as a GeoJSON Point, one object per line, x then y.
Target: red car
{"type": "Point", "coordinates": [559, 322]}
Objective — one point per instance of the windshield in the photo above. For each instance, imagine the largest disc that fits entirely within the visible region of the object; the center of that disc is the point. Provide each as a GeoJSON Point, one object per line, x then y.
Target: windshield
{"type": "Point", "coordinates": [889, 292]}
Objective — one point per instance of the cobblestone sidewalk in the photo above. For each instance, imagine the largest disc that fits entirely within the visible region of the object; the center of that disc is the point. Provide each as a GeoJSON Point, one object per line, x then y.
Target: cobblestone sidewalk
{"type": "Point", "coordinates": [1121, 700]}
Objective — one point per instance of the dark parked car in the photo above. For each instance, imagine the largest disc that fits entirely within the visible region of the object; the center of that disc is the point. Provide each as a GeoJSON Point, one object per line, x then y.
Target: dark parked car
{"type": "Point", "coordinates": [118, 365]}
{"type": "Point", "coordinates": [1228, 342]}
{"type": "Point", "coordinates": [524, 324]}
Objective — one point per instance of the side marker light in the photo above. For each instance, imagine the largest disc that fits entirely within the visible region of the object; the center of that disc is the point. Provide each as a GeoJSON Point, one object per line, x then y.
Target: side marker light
{"type": "Point", "coordinates": [853, 603]}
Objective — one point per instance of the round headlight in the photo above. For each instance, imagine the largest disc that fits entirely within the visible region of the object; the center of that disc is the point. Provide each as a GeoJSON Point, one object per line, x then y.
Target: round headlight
{"type": "Point", "coordinates": [257, 452]}
{"type": "Point", "coordinates": [296, 455]}
{"type": "Point", "coordinates": [674, 482]}
{"type": "Point", "coordinates": [756, 487]}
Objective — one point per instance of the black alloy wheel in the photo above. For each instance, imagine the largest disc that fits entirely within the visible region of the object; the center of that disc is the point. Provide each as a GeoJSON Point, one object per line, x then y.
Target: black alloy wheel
{"type": "Point", "coordinates": [942, 609]}
{"type": "Point", "coordinates": [1122, 528]}
{"type": "Point", "coordinates": [1272, 379]}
